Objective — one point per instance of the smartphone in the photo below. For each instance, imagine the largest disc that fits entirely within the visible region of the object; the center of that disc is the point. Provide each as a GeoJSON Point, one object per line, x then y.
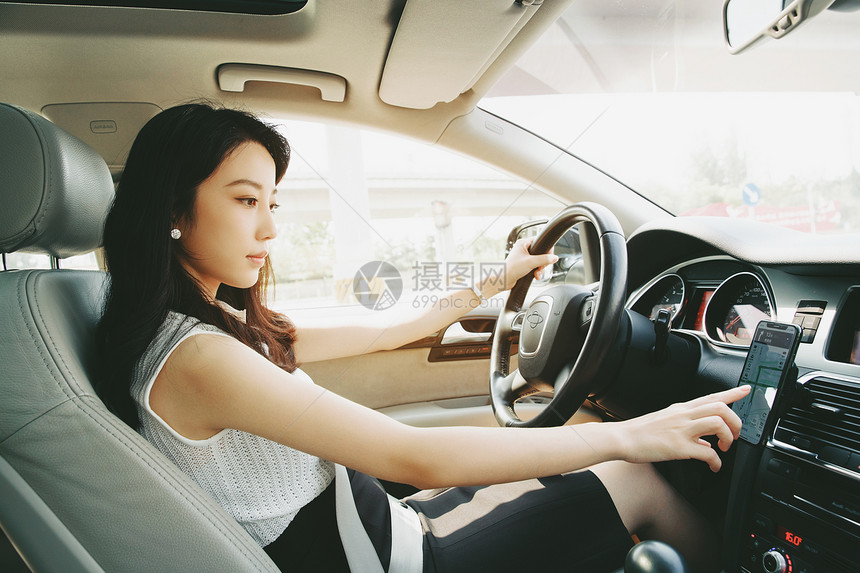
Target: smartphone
{"type": "Point", "coordinates": [766, 369]}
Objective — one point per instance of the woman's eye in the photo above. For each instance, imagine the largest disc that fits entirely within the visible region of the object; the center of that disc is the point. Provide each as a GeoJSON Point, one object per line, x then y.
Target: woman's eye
{"type": "Point", "coordinates": [248, 201]}
{"type": "Point", "coordinates": [274, 207]}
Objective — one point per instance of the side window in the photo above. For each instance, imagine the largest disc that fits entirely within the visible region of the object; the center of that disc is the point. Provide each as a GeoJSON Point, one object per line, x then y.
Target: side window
{"type": "Point", "coordinates": [370, 221]}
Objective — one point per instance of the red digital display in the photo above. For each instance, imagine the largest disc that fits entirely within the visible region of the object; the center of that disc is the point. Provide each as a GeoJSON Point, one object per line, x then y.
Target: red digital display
{"type": "Point", "coordinates": [703, 297]}
{"type": "Point", "coordinates": [788, 536]}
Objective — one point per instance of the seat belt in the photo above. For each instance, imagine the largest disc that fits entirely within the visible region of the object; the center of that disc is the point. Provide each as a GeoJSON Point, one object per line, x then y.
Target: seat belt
{"type": "Point", "coordinates": [407, 537]}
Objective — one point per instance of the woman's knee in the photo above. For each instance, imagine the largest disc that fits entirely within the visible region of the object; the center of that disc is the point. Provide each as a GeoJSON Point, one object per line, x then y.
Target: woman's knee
{"type": "Point", "coordinates": [637, 490]}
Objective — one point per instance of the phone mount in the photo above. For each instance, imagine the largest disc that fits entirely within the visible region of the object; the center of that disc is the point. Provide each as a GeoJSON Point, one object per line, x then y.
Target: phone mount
{"type": "Point", "coordinates": [747, 460]}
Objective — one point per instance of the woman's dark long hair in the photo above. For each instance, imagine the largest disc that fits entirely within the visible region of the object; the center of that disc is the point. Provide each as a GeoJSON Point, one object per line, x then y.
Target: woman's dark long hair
{"type": "Point", "coordinates": [173, 154]}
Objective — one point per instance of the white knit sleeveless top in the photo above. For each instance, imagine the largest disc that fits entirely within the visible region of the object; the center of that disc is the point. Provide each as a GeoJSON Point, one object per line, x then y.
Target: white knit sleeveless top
{"type": "Point", "coordinates": [261, 483]}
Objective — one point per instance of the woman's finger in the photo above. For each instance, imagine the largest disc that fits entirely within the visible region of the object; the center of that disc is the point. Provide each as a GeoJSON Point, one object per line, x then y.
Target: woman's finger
{"type": "Point", "coordinates": [721, 410]}
{"type": "Point", "coordinates": [714, 426]}
{"type": "Point", "coordinates": [546, 261]}
{"type": "Point", "coordinates": [706, 453]}
{"type": "Point", "coordinates": [726, 396]}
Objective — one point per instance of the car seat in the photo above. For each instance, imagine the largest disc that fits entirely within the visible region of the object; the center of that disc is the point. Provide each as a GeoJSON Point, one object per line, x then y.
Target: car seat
{"type": "Point", "coordinates": [80, 490]}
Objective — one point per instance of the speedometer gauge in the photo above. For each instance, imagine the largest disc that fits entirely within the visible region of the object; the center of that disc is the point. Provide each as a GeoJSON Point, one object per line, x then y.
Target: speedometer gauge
{"type": "Point", "coordinates": [736, 308]}
{"type": "Point", "coordinates": [748, 308]}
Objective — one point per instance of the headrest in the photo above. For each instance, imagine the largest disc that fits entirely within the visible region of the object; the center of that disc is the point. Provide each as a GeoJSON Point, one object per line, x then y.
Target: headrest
{"type": "Point", "coordinates": [55, 191]}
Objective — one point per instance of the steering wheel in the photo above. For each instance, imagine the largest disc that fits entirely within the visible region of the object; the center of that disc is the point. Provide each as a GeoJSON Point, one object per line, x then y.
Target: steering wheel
{"type": "Point", "coordinates": [566, 333]}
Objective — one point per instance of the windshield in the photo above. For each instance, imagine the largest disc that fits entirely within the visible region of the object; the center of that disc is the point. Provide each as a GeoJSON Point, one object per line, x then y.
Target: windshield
{"type": "Point", "coordinates": [647, 92]}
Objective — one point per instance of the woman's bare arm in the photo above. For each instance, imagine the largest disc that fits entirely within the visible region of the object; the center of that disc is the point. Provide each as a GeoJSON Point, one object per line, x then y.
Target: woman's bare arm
{"type": "Point", "coordinates": [387, 330]}
{"type": "Point", "coordinates": [211, 382]}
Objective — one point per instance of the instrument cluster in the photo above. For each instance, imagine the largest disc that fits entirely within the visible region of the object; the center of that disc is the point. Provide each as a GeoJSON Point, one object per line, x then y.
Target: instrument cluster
{"type": "Point", "coordinates": [726, 308]}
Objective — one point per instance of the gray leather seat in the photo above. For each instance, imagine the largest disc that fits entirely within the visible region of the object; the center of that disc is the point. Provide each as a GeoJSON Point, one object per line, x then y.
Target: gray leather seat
{"type": "Point", "coordinates": [80, 490]}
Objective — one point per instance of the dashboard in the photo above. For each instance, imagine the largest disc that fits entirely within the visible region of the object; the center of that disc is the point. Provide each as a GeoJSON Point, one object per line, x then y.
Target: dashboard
{"type": "Point", "coordinates": [794, 504]}
{"type": "Point", "coordinates": [724, 299]}
{"type": "Point", "coordinates": [719, 277]}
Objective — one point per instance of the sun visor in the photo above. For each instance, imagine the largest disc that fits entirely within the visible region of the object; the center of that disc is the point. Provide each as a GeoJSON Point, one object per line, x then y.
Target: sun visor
{"type": "Point", "coordinates": [109, 128]}
{"type": "Point", "coordinates": [442, 47]}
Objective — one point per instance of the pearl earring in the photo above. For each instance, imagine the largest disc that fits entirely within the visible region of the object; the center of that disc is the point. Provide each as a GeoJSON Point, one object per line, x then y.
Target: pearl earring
{"type": "Point", "coordinates": [175, 233]}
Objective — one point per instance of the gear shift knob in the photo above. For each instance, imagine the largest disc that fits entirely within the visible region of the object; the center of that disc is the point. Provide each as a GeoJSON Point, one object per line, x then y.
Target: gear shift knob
{"type": "Point", "coordinates": [654, 557]}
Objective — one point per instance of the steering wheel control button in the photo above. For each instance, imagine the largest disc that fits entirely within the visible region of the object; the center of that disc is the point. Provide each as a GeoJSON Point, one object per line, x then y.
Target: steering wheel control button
{"type": "Point", "coordinates": [517, 322]}
{"type": "Point", "coordinates": [534, 323]}
{"type": "Point", "coordinates": [587, 312]}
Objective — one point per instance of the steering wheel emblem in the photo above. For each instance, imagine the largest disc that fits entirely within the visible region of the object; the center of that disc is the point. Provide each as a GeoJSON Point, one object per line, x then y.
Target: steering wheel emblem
{"type": "Point", "coordinates": [534, 319]}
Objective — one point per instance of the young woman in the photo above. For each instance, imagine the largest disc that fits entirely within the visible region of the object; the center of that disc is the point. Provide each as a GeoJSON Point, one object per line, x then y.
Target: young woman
{"type": "Point", "coordinates": [218, 391]}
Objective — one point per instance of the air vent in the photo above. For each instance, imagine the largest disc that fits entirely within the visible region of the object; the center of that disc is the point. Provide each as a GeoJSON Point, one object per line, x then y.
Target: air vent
{"type": "Point", "coordinates": [825, 422]}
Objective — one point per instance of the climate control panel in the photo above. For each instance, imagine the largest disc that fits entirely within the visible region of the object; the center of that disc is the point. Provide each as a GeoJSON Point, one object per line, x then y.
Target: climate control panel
{"type": "Point", "coordinates": [803, 519]}
{"type": "Point", "coordinates": [764, 554]}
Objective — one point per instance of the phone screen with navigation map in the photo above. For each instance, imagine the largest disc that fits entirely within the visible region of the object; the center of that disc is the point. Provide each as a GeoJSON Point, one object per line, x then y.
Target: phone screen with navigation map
{"type": "Point", "coordinates": [770, 357]}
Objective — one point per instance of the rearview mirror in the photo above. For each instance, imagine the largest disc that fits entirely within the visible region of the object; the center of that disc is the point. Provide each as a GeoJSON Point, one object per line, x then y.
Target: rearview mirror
{"type": "Point", "coordinates": [745, 22]}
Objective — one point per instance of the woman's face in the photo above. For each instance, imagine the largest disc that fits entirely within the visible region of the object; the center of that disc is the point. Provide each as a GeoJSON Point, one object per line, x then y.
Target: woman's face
{"type": "Point", "coordinates": [227, 240]}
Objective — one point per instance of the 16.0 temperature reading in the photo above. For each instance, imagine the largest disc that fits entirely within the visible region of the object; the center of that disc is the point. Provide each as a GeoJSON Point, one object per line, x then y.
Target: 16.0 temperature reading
{"type": "Point", "coordinates": [795, 540]}
{"type": "Point", "coordinates": [789, 537]}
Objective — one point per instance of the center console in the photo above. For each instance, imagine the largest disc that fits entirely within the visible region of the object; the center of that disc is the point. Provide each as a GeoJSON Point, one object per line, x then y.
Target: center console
{"type": "Point", "coordinates": [795, 502]}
